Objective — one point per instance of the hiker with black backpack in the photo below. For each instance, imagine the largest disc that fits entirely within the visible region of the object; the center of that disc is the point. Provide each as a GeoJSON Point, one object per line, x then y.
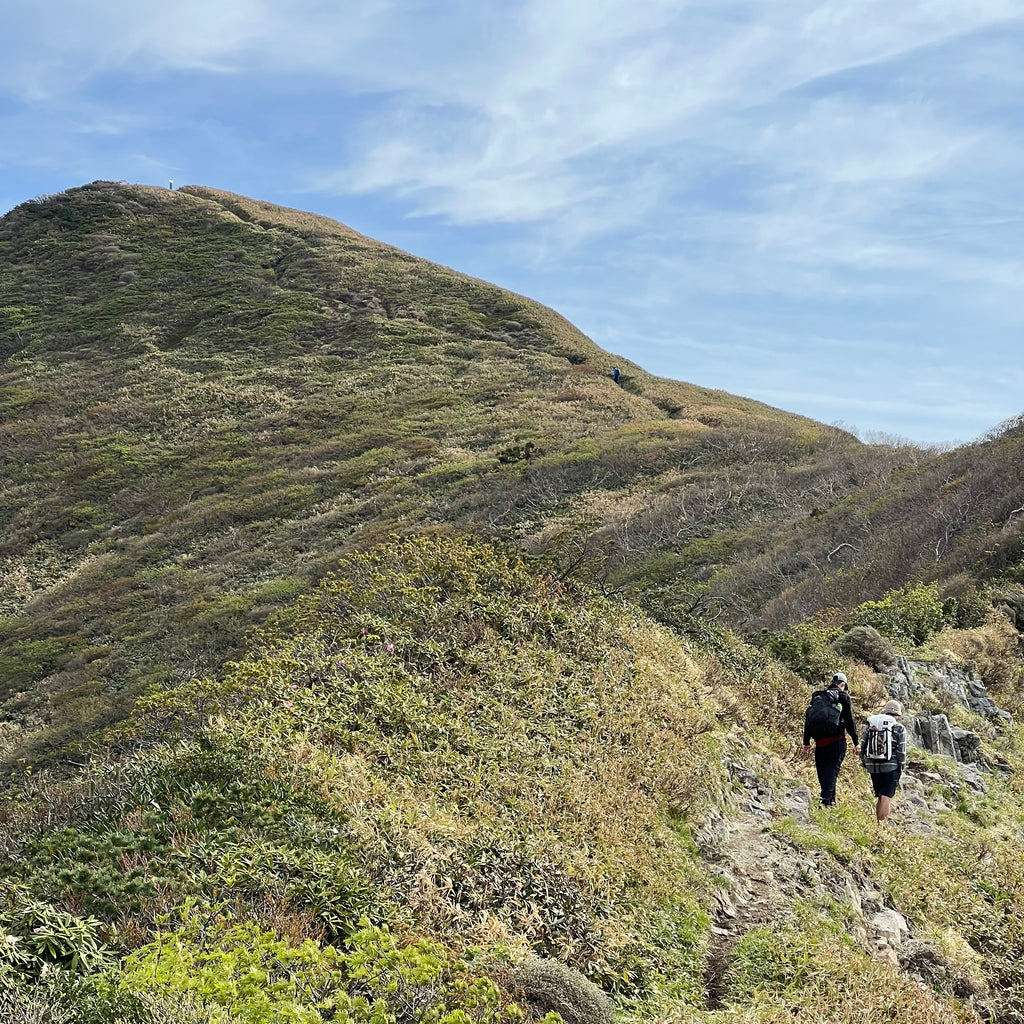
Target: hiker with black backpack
{"type": "Point", "coordinates": [828, 719]}
{"type": "Point", "coordinates": [884, 754]}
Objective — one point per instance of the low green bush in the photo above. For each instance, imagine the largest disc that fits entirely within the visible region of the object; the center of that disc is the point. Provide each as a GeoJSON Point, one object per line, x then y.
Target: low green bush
{"type": "Point", "coordinates": [256, 978]}
{"type": "Point", "coordinates": [907, 616]}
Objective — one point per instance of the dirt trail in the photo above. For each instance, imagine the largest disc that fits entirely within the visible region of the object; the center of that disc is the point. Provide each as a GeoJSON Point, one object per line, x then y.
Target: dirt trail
{"type": "Point", "coordinates": [763, 875]}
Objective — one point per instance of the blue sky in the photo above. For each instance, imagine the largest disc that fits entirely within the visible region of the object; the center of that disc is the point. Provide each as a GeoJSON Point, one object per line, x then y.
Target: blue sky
{"type": "Point", "coordinates": [818, 205]}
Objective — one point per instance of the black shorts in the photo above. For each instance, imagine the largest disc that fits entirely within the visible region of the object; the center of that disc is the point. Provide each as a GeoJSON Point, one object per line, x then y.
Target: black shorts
{"type": "Point", "coordinates": [885, 783]}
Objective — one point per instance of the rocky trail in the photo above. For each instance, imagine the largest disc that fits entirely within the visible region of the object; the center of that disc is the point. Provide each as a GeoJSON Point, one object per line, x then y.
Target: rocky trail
{"type": "Point", "coordinates": [763, 874]}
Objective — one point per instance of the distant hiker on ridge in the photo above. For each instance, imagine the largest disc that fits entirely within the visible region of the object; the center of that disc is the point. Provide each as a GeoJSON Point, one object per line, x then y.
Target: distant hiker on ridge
{"type": "Point", "coordinates": [615, 374]}
{"type": "Point", "coordinates": [884, 754]}
{"type": "Point", "coordinates": [829, 717]}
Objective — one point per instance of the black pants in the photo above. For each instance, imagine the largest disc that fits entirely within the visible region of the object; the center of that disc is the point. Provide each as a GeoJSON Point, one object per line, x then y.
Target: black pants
{"type": "Point", "coordinates": [828, 759]}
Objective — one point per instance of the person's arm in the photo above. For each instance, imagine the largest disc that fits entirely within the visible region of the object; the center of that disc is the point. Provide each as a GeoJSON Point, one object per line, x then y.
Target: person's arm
{"type": "Point", "coordinates": [901, 746]}
{"type": "Point", "coordinates": [848, 722]}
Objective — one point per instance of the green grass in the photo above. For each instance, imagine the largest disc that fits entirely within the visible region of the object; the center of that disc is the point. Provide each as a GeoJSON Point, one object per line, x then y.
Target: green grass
{"type": "Point", "coordinates": [233, 393]}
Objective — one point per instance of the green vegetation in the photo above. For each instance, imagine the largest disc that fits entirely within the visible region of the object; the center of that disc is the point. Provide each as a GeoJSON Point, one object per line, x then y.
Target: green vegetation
{"type": "Point", "coordinates": [436, 758]}
{"type": "Point", "coordinates": [907, 616]}
{"type": "Point", "coordinates": [205, 401]}
{"type": "Point", "coordinates": [440, 763]}
{"type": "Point", "coordinates": [367, 655]}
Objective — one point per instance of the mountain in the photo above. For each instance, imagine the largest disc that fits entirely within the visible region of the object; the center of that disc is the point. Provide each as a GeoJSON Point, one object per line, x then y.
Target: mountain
{"type": "Point", "coordinates": [368, 654]}
{"type": "Point", "coordinates": [205, 400]}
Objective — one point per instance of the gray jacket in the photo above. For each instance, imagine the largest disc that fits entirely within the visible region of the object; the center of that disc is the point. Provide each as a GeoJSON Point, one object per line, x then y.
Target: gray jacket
{"type": "Point", "coordinates": [899, 746]}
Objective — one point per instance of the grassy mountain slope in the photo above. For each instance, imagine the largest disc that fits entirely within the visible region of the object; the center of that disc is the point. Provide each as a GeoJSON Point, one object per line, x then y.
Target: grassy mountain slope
{"type": "Point", "coordinates": [437, 759]}
{"type": "Point", "coordinates": [205, 400]}
{"type": "Point", "coordinates": [439, 763]}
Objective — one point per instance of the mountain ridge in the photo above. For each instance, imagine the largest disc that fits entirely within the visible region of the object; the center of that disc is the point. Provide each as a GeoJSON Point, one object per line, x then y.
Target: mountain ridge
{"type": "Point", "coordinates": [367, 654]}
{"type": "Point", "coordinates": [206, 400]}
{"type": "Point", "coordinates": [195, 404]}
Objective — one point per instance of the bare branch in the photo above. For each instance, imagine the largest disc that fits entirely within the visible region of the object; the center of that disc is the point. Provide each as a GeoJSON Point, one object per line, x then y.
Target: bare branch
{"type": "Point", "coordinates": [1013, 512]}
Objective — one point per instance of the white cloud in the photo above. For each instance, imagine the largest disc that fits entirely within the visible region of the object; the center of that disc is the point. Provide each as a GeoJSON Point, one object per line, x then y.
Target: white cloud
{"type": "Point", "coordinates": [676, 159]}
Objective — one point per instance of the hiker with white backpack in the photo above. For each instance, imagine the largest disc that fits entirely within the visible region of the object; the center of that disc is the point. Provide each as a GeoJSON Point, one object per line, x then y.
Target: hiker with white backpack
{"type": "Point", "coordinates": [828, 719]}
{"type": "Point", "coordinates": [884, 753]}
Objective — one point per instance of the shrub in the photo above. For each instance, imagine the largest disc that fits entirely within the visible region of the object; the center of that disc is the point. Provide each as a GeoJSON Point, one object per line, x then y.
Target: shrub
{"type": "Point", "coordinates": [805, 649]}
{"type": "Point", "coordinates": [865, 643]}
{"type": "Point", "coordinates": [40, 936]}
{"type": "Point", "coordinates": [906, 616]}
{"type": "Point", "coordinates": [1010, 601]}
{"type": "Point", "coordinates": [264, 980]}
{"type": "Point", "coordinates": [552, 987]}
{"type": "Point", "coordinates": [66, 998]}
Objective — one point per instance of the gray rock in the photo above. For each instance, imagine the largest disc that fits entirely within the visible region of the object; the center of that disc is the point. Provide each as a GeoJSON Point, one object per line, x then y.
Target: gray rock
{"type": "Point", "coordinates": [968, 745]}
{"type": "Point", "coordinates": [933, 733]}
{"type": "Point", "coordinates": [909, 679]}
{"type": "Point", "coordinates": [797, 802]}
{"type": "Point", "coordinates": [889, 926]}
{"type": "Point", "coordinates": [973, 776]}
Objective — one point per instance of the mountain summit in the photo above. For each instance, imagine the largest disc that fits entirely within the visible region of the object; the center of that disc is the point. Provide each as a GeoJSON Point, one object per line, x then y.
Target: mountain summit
{"type": "Point", "coordinates": [205, 400]}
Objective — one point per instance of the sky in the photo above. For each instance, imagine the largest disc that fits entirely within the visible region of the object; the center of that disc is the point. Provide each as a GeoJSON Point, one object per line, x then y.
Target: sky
{"type": "Point", "coordinates": [814, 204]}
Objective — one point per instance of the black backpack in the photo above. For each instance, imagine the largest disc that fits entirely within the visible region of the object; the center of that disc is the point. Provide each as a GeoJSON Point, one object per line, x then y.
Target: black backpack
{"type": "Point", "coordinates": [824, 714]}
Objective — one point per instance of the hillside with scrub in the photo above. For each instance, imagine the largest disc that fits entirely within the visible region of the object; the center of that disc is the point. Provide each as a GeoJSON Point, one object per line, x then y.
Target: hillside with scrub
{"type": "Point", "coordinates": [206, 400]}
{"type": "Point", "coordinates": [445, 786]}
{"type": "Point", "coordinates": [368, 653]}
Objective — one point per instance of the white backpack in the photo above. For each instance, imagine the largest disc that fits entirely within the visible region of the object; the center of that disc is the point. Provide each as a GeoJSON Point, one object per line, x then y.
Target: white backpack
{"type": "Point", "coordinates": [878, 743]}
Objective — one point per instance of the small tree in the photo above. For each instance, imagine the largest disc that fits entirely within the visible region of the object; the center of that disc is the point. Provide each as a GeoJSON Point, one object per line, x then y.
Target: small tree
{"type": "Point", "coordinates": [907, 616]}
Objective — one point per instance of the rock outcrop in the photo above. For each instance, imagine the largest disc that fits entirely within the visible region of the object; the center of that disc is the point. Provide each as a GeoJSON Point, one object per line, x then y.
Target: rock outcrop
{"type": "Point", "coordinates": [910, 681]}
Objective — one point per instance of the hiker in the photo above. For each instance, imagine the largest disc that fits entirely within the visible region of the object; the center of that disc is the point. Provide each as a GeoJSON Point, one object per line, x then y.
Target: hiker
{"type": "Point", "coordinates": [615, 374]}
{"type": "Point", "coordinates": [884, 754]}
{"type": "Point", "coordinates": [829, 718]}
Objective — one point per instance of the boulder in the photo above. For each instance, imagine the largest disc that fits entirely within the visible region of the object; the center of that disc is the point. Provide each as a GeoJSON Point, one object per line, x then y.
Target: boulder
{"type": "Point", "coordinates": [888, 927]}
{"type": "Point", "coordinates": [933, 733]}
{"type": "Point", "coordinates": [968, 745]}
{"type": "Point", "coordinates": [972, 775]}
{"type": "Point", "coordinates": [981, 703]}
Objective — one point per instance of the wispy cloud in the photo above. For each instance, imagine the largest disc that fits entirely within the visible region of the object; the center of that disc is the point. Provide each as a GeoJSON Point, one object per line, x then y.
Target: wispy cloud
{"type": "Point", "coordinates": [725, 174]}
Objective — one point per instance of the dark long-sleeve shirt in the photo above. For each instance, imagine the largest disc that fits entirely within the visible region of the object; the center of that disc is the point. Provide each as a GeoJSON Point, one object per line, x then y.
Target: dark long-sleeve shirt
{"type": "Point", "coordinates": [846, 723]}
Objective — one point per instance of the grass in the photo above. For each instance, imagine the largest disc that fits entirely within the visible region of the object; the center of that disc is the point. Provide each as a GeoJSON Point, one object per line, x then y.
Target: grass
{"type": "Point", "coordinates": [442, 761]}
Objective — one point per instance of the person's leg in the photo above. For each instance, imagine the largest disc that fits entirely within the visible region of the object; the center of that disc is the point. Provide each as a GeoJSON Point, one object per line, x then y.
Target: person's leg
{"type": "Point", "coordinates": [828, 760]}
{"type": "Point", "coordinates": [826, 778]}
{"type": "Point", "coordinates": [885, 789]}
